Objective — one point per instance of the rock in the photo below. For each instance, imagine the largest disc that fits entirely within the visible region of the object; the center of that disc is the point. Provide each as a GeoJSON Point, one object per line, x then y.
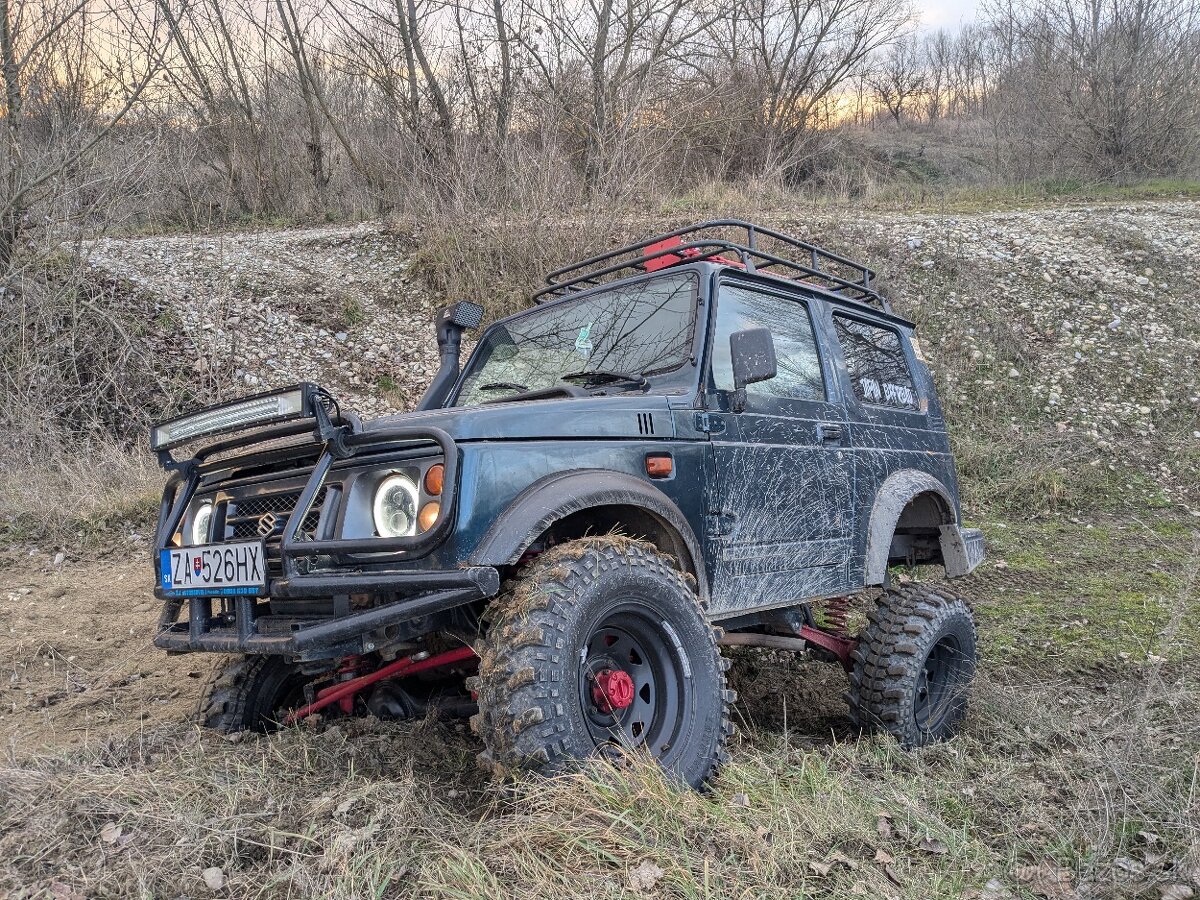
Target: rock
{"type": "Point", "coordinates": [644, 877]}
{"type": "Point", "coordinates": [214, 878]}
{"type": "Point", "coordinates": [59, 558]}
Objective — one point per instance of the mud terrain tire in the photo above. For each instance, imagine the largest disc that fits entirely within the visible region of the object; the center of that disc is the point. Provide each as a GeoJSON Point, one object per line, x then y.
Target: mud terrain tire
{"type": "Point", "coordinates": [561, 631]}
{"type": "Point", "coordinates": [250, 693]}
{"type": "Point", "coordinates": [913, 665]}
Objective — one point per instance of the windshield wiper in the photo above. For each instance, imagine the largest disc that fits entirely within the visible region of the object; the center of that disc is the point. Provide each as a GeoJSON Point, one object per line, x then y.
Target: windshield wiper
{"type": "Point", "coordinates": [503, 386]}
{"type": "Point", "coordinates": [605, 376]}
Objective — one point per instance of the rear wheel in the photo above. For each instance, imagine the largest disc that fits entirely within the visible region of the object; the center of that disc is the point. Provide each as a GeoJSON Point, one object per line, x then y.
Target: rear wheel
{"type": "Point", "coordinates": [914, 665]}
{"type": "Point", "coordinates": [601, 646]}
{"type": "Point", "coordinates": [251, 693]}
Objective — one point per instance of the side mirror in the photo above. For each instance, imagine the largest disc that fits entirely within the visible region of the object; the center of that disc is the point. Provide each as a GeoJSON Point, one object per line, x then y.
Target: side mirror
{"type": "Point", "coordinates": [752, 353]}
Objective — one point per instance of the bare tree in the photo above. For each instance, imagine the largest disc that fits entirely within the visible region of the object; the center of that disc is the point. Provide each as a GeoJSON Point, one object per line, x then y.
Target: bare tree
{"type": "Point", "coordinates": [937, 56]}
{"type": "Point", "coordinates": [605, 67]}
{"type": "Point", "coordinates": [49, 53]}
{"type": "Point", "coordinates": [777, 60]}
{"type": "Point", "coordinates": [900, 78]}
{"type": "Point", "coordinates": [1118, 81]}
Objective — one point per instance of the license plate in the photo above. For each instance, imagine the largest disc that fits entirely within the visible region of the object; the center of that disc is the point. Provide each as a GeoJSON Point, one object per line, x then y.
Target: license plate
{"type": "Point", "coordinates": [221, 570]}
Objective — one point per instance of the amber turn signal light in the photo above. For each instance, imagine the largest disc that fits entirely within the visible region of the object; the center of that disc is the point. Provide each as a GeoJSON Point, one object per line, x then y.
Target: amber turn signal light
{"type": "Point", "coordinates": [659, 466]}
{"type": "Point", "coordinates": [428, 515]}
{"type": "Point", "coordinates": [434, 478]}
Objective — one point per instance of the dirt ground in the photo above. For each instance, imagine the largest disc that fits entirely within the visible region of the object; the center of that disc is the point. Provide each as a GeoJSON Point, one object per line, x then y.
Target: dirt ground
{"type": "Point", "coordinates": [1076, 602]}
{"type": "Point", "coordinates": [1076, 774]}
{"type": "Point", "coordinates": [79, 658]}
{"type": "Point", "coordinates": [82, 667]}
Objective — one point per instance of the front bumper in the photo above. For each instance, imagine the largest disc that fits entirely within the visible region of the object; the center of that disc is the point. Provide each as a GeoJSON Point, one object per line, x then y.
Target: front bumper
{"type": "Point", "coordinates": [248, 629]}
{"type": "Point", "coordinates": [375, 567]}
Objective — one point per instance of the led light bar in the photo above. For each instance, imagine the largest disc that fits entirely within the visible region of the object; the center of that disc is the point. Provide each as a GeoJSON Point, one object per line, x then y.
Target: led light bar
{"type": "Point", "coordinates": [262, 409]}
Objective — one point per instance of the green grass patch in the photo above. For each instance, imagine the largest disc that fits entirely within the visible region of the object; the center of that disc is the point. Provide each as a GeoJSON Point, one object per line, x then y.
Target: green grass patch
{"type": "Point", "coordinates": [934, 196]}
{"type": "Point", "coordinates": [1071, 595]}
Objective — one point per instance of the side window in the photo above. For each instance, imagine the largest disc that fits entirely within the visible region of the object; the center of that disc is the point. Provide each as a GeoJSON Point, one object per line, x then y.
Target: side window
{"type": "Point", "coordinates": [799, 368]}
{"type": "Point", "coordinates": [875, 360]}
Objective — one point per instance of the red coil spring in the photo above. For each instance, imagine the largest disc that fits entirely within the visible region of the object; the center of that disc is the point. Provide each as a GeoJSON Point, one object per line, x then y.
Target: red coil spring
{"type": "Point", "coordinates": [836, 615]}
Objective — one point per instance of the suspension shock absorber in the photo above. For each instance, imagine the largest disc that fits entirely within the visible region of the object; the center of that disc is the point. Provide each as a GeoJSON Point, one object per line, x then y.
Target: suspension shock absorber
{"type": "Point", "coordinates": [350, 669]}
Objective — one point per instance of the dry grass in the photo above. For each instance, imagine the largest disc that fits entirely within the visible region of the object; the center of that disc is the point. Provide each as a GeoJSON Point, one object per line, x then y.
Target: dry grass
{"type": "Point", "coordinates": [1063, 777]}
{"type": "Point", "coordinates": [1076, 775]}
{"type": "Point", "coordinates": [73, 496]}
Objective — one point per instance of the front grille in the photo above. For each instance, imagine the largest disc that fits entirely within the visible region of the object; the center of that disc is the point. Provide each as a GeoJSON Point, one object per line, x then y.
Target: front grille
{"type": "Point", "coordinates": [248, 517]}
{"type": "Point", "coordinates": [265, 516]}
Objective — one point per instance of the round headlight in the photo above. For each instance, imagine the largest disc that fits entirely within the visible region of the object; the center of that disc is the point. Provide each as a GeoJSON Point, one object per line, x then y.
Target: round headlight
{"type": "Point", "coordinates": [200, 523]}
{"type": "Point", "coordinates": [395, 507]}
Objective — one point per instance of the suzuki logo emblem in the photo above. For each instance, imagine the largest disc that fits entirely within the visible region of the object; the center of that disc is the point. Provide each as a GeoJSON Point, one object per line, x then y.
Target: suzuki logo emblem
{"type": "Point", "coordinates": [267, 523]}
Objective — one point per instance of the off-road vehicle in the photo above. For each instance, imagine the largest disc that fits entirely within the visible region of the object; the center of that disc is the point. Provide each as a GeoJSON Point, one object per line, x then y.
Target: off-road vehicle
{"type": "Point", "coordinates": [713, 437]}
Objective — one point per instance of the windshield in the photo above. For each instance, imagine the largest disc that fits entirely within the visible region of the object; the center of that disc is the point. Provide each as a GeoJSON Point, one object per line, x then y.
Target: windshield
{"type": "Point", "coordinates": [638, 329]}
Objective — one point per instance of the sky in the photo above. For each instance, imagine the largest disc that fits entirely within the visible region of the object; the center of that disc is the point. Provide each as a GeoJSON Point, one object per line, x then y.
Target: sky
{"type": "Point", "coordinates": [947, 14]}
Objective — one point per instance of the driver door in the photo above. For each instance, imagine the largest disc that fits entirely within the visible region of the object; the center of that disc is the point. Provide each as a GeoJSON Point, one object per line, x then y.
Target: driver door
{"type": "Point", "coordinates": [780, 516]}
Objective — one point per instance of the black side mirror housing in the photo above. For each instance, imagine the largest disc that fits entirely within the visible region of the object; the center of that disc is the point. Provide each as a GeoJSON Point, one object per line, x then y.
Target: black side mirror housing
{"type": "Point", "coordinates": [752, 353]}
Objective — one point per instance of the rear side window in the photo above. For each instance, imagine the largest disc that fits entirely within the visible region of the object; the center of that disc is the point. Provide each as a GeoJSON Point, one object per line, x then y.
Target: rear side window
{"type": "Point", "coordinates": [875, 360]}
{"type": "Point", "coordinates": [799, 367]}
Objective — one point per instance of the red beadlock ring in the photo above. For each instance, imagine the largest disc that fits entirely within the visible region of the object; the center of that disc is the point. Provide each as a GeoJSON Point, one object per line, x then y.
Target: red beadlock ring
{"type": "Point", "coordinates": [612, 690]}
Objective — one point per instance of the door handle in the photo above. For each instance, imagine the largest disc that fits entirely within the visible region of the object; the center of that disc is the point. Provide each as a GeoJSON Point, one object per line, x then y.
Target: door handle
{"type": "Point", "coordinates": [827, 432]}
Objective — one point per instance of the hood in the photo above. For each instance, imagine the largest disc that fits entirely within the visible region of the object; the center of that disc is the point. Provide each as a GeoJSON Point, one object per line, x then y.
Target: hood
{"type": "Point", "coordinates": [614, 416]}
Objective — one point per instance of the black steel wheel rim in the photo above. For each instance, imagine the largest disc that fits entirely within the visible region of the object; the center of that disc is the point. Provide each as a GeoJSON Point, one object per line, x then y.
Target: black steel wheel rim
{"type": "Point", "coordinates": [940, 683]}
{"type": "Point", "coordinates": [288, 695]}
{"type": "Point", "coordinates": [632, 639]}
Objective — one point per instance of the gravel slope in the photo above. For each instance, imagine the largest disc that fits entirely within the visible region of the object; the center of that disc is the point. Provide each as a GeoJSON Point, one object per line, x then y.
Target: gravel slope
{"type": "Point", "coordinates": [1075, 323]}
{"type": "Point", "coordinates": [248, 310]}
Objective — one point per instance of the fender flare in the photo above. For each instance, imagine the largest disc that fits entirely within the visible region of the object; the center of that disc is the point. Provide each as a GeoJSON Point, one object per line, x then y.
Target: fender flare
{"type": "Point", "coordinates": [556, 496]}
{"type": "Point", "coordinates": [894, 494]}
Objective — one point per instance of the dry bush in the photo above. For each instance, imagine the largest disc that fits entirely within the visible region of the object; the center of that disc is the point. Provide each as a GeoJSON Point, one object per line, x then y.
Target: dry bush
{"type": "Point", "coordinates": [81, 353]}
{"type": "Point", "coordinates": [501, 263]}
{"type": "Point", "coordinates": [83, 358]}
{"type": "Point", "coordinates": [85, 491]}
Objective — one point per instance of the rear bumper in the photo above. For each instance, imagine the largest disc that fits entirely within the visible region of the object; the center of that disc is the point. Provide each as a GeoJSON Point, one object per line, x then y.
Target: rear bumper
{"type": "Point", "coordinates": [249, 629]}
{"type": "Point", "coordinates": [962, 549]}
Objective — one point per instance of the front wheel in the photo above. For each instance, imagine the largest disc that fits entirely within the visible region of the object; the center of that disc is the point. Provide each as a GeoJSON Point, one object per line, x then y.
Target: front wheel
{"type": "Point", "coordinates": [914, 665]}
{"type": "Point", "coordinates": [601, 645]}
{"type": "Point", "coordinates": [251, 693]}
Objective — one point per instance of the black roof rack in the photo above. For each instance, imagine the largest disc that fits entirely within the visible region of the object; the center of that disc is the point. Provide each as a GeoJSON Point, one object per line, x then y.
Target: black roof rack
{"type": "Point", "coordinates": [751, 247]}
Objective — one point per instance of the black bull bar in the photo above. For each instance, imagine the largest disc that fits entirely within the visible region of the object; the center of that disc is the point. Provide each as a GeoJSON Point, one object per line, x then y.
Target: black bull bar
{"type": "Point", "coordinates": [419, 592]}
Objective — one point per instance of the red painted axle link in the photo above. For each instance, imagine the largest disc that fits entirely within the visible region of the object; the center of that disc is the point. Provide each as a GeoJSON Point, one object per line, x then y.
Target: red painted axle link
{"type": "Point", "coordinates": [840, 647]}
{"type": "Point", "coordinates": [346, 689]}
